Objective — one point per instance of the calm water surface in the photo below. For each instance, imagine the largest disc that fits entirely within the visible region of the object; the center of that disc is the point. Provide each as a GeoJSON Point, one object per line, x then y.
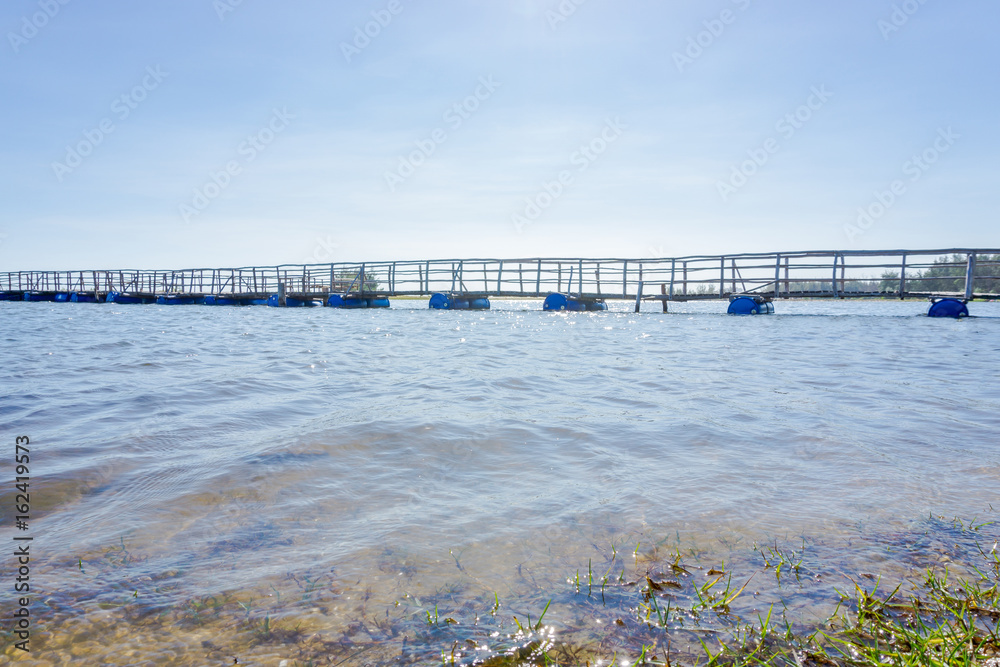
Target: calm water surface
{"type": "Point", "coordinates": [213, 483]}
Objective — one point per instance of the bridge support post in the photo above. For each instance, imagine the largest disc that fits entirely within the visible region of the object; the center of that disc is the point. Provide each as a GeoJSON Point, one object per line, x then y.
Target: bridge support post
{"type": "Point", "coordinates": [970, 276]}
{"type": "Point", "coordinates": [777, 276]}
{"type": "Point", "coordinates": [902, 278]}
{"type": "Point", "coordinates": [834, 281]}
{"type": "Point", "coordinates": [673, 270]}
{"type": "Point", "coordinates": [638, 297]}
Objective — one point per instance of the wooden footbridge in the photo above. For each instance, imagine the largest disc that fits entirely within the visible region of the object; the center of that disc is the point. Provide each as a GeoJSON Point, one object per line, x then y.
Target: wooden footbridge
{"type": "Point", "coordinates": [960, 273]}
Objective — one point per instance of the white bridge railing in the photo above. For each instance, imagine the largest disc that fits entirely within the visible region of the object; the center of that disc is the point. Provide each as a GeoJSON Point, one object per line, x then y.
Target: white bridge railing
{"type": "Point", "coordinates": [964, 272]}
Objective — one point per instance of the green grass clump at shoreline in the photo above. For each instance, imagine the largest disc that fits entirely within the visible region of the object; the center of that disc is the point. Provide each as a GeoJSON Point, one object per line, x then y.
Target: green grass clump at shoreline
{"type": "Point", "coordinates": [937, 624]}
{"type": "Point", "coordinates": [665, 614]}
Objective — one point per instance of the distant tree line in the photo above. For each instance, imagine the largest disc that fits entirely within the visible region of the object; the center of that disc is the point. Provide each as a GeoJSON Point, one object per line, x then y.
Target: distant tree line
{"type": "Point", "coordinates": [864, 286]}
{"type": "Point", "coordinates": [349, 280]}
{"type": "Point", "coordinates": [947, 275]}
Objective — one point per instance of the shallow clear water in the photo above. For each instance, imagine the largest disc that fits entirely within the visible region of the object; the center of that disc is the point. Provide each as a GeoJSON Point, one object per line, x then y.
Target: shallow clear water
{"type": "Point", "coordinates": [180, 454]}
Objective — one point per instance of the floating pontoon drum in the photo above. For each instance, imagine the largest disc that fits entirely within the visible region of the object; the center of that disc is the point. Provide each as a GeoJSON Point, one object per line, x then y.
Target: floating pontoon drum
{"type": "Point", "coordinates": [340, 301]}
{"type": "Point", "coordinates": [118, 297]}
{"type": "Point", "coordinates": [83, 297]}
{"type": "Point", "coordinates": [441, 301]}
{"type": "Point", "coordinates": [948, 308]}
{"type": "Point", "coordinates": [212, 300]}
{"type": "Point", "coordinates": [177, 300]}
{"type": "Point", "coordinates": [39, 296]}
{"type": "Point", "coordinates": [556, 302]}
{"type": "Point", "coordinates": [750, 305]}
{"type": "Point", "coordinates": [290, 302]}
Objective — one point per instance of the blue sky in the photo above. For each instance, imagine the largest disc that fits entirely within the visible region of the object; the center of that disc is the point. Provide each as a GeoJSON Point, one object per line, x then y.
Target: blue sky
{"type": "Point", "coordinates": [227, 133]}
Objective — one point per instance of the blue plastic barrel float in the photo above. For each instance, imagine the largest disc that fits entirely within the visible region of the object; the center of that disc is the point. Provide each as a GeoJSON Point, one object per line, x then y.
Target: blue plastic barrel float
{"type": "Point", "coordinates": [178, 300]}
{"type": "Point", "coordinates": [441, 301]}
{"type": "Point", "coordinates": [290, 302]}
{"type": "Point", "coordinates": [39, 296]}
{"type": "Point", "coordinates": [118, 297]}
{"type": "Point", "coordinates": [82, 297]}
{"type": "Point", "coordinates": [62, 297]}
{"type": "Point", "coordinates": [213, 300]}
{"type": "Point", "coordinates": [11, 296]}
{"type": "Point", "coordinates": [948, 308]}
{"type": "Point", "coordinates": [749, 305]}
{"type": "Point", "coordinates": [557, 302]}
{"type": "Point", "coordinates": [339, 301]}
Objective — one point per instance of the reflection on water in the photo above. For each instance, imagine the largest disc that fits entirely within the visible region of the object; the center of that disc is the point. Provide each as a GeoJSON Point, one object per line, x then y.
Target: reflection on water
{"type": "Point", "coordinates": [271, 485]}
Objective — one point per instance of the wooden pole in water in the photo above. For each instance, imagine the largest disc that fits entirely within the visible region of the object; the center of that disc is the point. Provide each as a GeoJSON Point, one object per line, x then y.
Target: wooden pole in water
{"type": "Point", "coordinates": [834, 282]}
{"type": "Point", "coordinates": [638, 297]}
{"type": "Point", "coordinates": [777, 275]}
{"type": "Point", "coordinates": [902, 278]}
{"type": "Point", "coordinates": [282, 299]}
{"type": "Point", "coordinates": [673, 269]}
{"type": "Point", "coordinates": [970, 276]}
{"type": "Point", "coordinates": [663, 291]}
